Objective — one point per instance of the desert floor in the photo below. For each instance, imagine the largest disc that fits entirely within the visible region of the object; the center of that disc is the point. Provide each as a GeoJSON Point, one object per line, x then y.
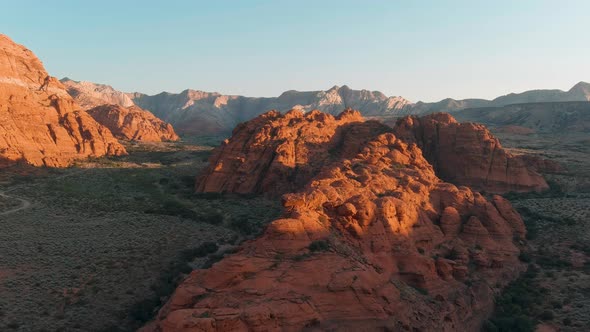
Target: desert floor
{"type": "Point", "coordinates": [98, 246]}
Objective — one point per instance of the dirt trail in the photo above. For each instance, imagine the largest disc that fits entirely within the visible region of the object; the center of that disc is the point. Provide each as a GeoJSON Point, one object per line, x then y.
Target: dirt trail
{"type": "Point", "coordinates": [24, 204]}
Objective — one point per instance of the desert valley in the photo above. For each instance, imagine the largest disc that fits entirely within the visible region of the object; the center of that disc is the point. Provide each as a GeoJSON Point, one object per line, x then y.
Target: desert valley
{"type": "Point", "coordinates": [335, 210]}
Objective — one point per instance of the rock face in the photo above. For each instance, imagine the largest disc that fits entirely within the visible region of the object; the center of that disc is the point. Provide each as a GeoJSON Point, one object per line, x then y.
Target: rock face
{"type": "Point", "coordinates": [200, 113]}
{"type": "Point", "coordinates": [468, 154]}
{"type": "Point", "coordinates": [39, 121]}
{"type": "Point", "coordinates": [204, 113]}
{"type": "Point", "coordinates": [133, 123]}
{"type": "Point", "coordinates": [89, 95]}
{"type": "Point", "coordinates": [194, 112]}
{"type": "Point", "coordinates": [277, 153]}
{"type": "Point", "coordinates": [374, 241]}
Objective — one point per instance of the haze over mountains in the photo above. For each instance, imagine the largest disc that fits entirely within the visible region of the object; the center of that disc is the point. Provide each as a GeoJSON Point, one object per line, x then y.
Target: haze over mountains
{"type": "Point", "coordinates": [194, 112]}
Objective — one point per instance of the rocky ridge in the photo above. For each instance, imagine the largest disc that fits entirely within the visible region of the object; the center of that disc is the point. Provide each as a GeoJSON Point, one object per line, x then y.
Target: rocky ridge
{"type": "Point", "coordinates": [195, 112]}
{"type": "Point", "coordinates": [133, 123]}
{"type": "Point", "coordinates": [89, 95]}
{"type": "Point", "coordinates": [276, 153]}
{"type": "Point", "coordinates": [200, 113]}
{"type": "Point", "coordinates": [556, 117]}
{"type": "Point", "coordinates": [40, 124]}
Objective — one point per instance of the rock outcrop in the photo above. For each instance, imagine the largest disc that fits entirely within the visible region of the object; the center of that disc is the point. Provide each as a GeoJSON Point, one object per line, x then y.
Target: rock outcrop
{"type": "Point", "coordinates": [276, 153]}
{"type": "Point", "coordinates": [89, 95]}
{"type": "Point", "coordinates": [133, 123]}
{"type": "Point", "coordinates": [39, 122]}
{"type": "Point", "coordinates": [468, 154]}
{"type": "Point", "coordinates": [373, 241]}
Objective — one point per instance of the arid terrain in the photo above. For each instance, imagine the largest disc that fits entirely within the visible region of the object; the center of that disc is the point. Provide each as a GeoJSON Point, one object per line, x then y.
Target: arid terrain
{"type": "Point", "coordinates": [335, 210]}
{"type": "Point", "coordinates": [98, 246]}
{"type": "Point", "coordinates": [555, 291]}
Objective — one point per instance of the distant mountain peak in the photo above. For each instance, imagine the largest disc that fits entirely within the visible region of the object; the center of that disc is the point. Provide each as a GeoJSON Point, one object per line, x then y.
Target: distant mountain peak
{"type": "Point", "coordinates": [581, 86]}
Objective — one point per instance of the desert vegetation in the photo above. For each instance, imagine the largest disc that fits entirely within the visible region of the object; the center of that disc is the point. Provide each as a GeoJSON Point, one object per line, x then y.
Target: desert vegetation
{"type": "Point", "coordinates": [554, 291]}
{"type": "Point", "coordinates": [105, 243]}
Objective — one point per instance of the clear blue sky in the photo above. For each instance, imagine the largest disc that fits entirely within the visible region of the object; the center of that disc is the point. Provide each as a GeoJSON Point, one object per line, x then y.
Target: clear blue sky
{"type": "Point", "coordinates": [422, 50]}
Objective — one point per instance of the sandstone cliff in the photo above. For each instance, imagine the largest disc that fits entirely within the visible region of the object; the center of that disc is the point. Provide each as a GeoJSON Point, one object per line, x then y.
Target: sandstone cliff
{"type": "Point", "coordinates": [133, 123]}
{"type": "Point", "coordinates": [276, 153]}
{"type": "Point", "coordinates": [373, 241]}
{"type": "Point", "coordinates": [468, 154]}
{"type": "Point", "coordinates": [39, 122]}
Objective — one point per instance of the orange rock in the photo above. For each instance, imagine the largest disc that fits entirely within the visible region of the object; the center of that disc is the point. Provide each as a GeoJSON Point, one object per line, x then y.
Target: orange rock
{"type": "Point", "coordinates": [133, 123]}
{"type": "Point", "coordinates": [39, 122]}
{"type": "Point", "coordinates": [468, 154]}
{"type": "Point", "coordinates": [389, 261]}
{"type": "Point", "coordinates": [277, 153]}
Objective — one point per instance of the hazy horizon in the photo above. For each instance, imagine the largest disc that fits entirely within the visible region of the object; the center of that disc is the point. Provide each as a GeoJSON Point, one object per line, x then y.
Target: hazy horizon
{"type": "Point", "coordinates": [423, 51]}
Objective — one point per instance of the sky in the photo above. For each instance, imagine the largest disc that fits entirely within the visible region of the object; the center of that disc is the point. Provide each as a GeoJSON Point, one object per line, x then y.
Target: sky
{"type": "Point", "coordinates": [421, 50]}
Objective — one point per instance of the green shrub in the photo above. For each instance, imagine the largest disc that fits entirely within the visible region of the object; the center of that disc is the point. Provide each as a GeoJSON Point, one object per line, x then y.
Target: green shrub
{"type": "Point", "coordinates": [519, 302]}
{"type": "Point", "coordinates": [489, 326]}
{"type": "Point", "coordinates": [213, 218]}
{"type": "Point", "coordinates": [173, 207]}
{"type": "Point", "coordinates": [547, 315]}
{"type": "Point", "coordinates": [245, 225]}
{"type": "Point", "coordinates": [514, 324]}
{"type": "Point", "coordinates": [320, 245]}
{"type": "Point", "coordinates": [525, 257]}
{"type": "Point", "coordinates": [420, 290]}
{"type": "Point", "coordinates": [200, 251]}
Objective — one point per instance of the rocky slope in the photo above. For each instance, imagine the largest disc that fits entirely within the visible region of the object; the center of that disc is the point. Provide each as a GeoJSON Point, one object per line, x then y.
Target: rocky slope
{"type": "Point", "coordinates": [39, 122]}
{"type": "Point", "coordinates": [133, 123]}
{"type": "Point", "coordinates": [89, 95]}
{"type": "Point", "coordinates": [468, 154]}
{"type": "Point", "coordinates": [374, 241]}
{"type": "Point", "coordinates": [579, 92]}
{"type": "Point", "coordinates": [558, 117]}
{"type": "Point", "coordinates": [276, 153]}
{"type": "Point", "coordinates": [200, 113]}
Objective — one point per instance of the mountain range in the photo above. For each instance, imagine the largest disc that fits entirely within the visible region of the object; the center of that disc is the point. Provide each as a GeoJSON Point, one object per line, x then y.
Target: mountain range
{"type": "Point", "coordinates": [199, 113]}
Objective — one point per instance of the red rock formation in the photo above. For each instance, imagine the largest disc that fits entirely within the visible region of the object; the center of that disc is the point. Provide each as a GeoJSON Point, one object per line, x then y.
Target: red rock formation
{"type": "Point", "coordinates": [375, 241]}
{"type": "Point", "coordinates": [468, 154]}
{"type": "Point", "coordinates": [133, 123]}
{"type": "Point", "coordinates": [39, 123]}
{"type": "Point", "coordinates": [541, 165]}
{"type": "Point", "coordinates": [277, 153]}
